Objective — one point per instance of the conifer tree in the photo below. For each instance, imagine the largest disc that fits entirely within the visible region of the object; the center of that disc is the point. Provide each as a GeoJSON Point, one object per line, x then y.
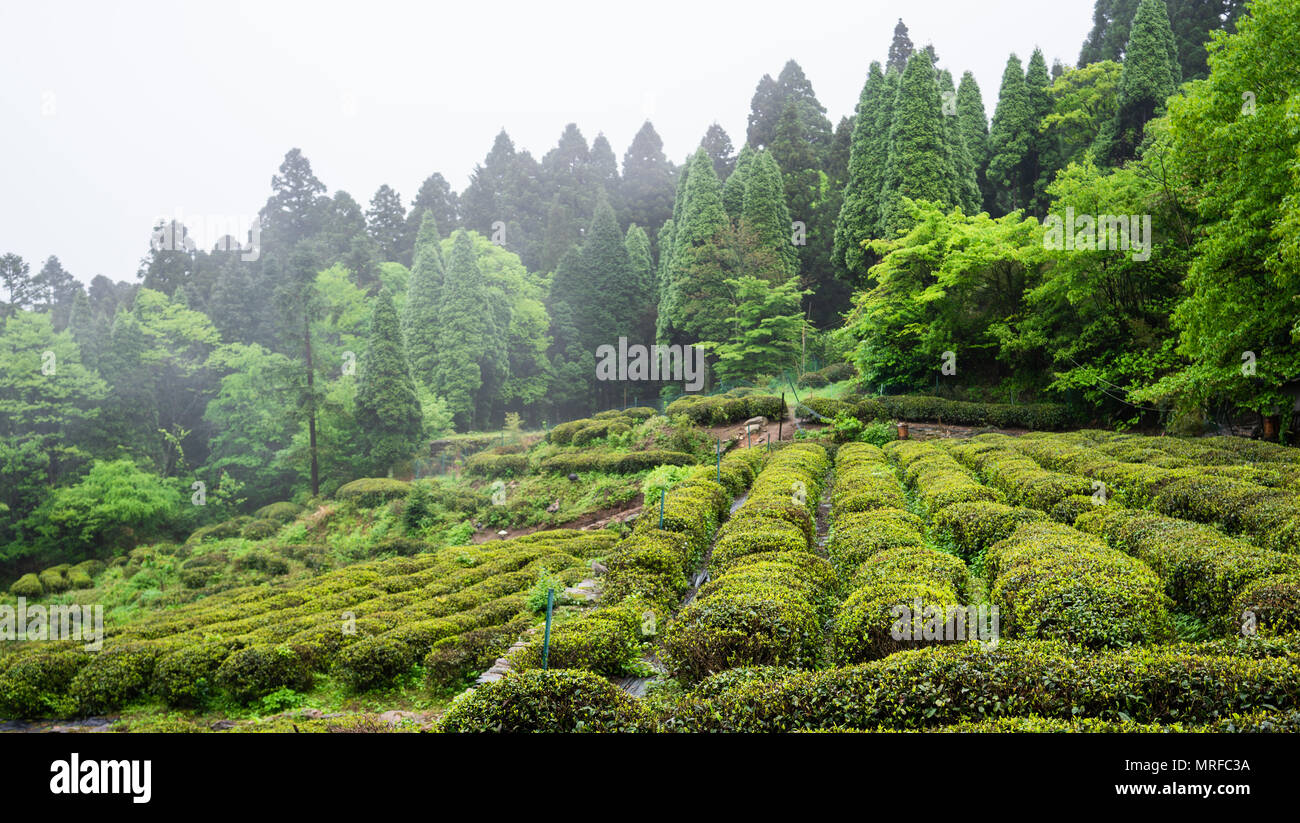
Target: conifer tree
{"type": "Point", "coordinates": [386, 222]}
{"type": "Point", "coordinates": [900, 50]}
{"type": "Point", "coordinates": [860, 208]}
{"type": "Point", "coordinates": [423, 296]}
{"type": "Point", "coordinates": [1041, 162]}
{"type": "Point", "coordinates": [965, 184]}
{"type": "Point", "coordinates": [696, 294]}
{"type": "Point", "coordinates": [919, 166]}
{"type": "Point", "coordinates": [1151, 73]}
{"type": "Point", "coordinates": [766, 220]}
{"type": "Point", "coordinates": [388, 411]}
{"type": "Point", "coordinates": [717, 144]}
{"type": "Point", "coordinates": [436, 196]}
{"type": "Point", "coordinates": [975, 128]}
{"type": "Point", "coordinates": [641, 280]}
{"type": "Point", "coordinates": [733, 191]}
{"type": "Point", "coordinates": [1009, 140]}
{"type": "Point", "coordinates": [464, 339]}
{"type": "Point", "coordinates": [646, 188]}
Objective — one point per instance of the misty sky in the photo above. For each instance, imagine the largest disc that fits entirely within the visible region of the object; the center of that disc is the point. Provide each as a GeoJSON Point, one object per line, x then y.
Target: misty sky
{"type": "Point", "coordinates": [112, 115]}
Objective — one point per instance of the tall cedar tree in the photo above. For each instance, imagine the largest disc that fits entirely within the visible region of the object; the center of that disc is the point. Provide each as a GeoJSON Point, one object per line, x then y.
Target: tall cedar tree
{"type": "Point", "coordinates": [965, 183]}
{"type": "Point", "coordinates": [646, 190]}
{"type": "Point", "coordinates": [975, 128]}
{"type": "Point", "coordinates": [1009, 140]}
{"type": "Point", "coordinates": [423, 297]}
{"type": "Point", "coordinates": [566, 173]}
{"type": "Point", "coordinates": [1041, 163]}
{"type": "Point", "coordinates": [641, 283]}
{"type": "Point", "coordinates": [807, 192]}
{"type": "Point", "coordinates": [696, 296]}
{"type": "Point", "coordinates": [860, 208]}
{"type": "Point", "coordinates": [900, 49]}
{"type": "Point", "coordinates": [386, 222]}
{"type": "Point", "coordinates": [717, 144]}
{"type": "Point", "coordinates": [388, 411]}
{"type": "Point", "coordinates": [602, 171]}
{"type": "Point", "coordinates": [919, 166]}
{"type": "Point", "coordinates": [1151, 73]}
{"type": "Point", "coordinates": [770, 101]}
{"type": "Point", "coordinates": [435, 195]}
{"type": "Point", "coordinates": [292, 213]}
{"type": "Point", "coordinates": [1192, 23]}
{"type": "Point", "coordinates": [765, 220]}
{"type": "Point", "coordinates": [733, 191]}
{"type": "Point", "coordinates": [464, 339]}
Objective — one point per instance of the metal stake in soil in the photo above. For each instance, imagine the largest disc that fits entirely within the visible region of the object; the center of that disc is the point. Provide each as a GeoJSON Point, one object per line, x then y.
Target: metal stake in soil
{"type": "Point", "coordinates": [546, 638]}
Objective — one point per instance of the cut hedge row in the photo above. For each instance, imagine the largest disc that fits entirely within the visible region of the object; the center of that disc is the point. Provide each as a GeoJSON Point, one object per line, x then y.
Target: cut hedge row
{"type": "Point", "coordinates": [613, 462]}
{"type": "Point", "coordinates": [373, 491]}
{"type": "Point", "coordinates": [487, 464]}
{"type": "Point", "coordinates": [251, 641]}
{"type": "Point", "coordinates": [973, 527]}
{"type": "Point", "coordinates": [921, 408]}
{"type": "Point", "coordinates": [1269, 517]}
{"type": "Point", "coordinates": [732, 407]}
{"type": "Point", "coordinates": [558, 700]}
{"type": "Point", "coordinates": [944, 685]}
{"type": "Point", "coordinates": [1051, 581]}
{"type": "Point", "coordinates": [589, 429]}
{"type": "Point", "coordinates": [938, 479]}
{"type": "Point", "coordinates": [864, 480]}
{"type": "Point", "coordinates": [1017, 476]}
{"type": "Point", "coordinates": [604, 640]}
{"type": "Point", "coordinates": [770, 595]}
{"type": "Point", "coordinates": [1203, 569]}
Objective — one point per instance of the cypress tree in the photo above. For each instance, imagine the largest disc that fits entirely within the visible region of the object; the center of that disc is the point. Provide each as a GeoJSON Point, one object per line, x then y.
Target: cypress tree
{"type": "Point", "coordinates": [466, 327]}
{"type": "Point", "coordinates": [858, 212]}
{"type": "Point", "coordinates": [665, 240]}
{"type": "Point", "coordinates": [641, 280]}
{"type": "Point", "coordinates": [919, 166]}
{"type": "Point", "coordinates": [388, 411]}
{"type": "Point", "coordinates": [386, 223]}
{"type": "Point", "coordinates": [975, 128]}
{"type": "Point", "coordinates": [646, 189]}
{"type": "Point", "coordinates": [695, 303]}
{"type": "Point", "coordinates": [1009, 140]}
{"type": "Point", "coordinates": [1151, 73]}
{"type": "Point", "coordinates": [733, 191]}
{"type": "Point", "coordinates": [717, 143]}
{"type": "Point", "coordinates": [423, 295]}
{"type": "Point", "coordinates": [435, 195]}
{"type": "Point", "coordinates": [765, 220]}
{"type": "Point", "coordinates": [878, 154]}
{"type": "Point", "coordinates": [86, 329]}
{"type": "Point", "coordinates": [900, 50]}
{"type": "Point", "coordinates": [1040, 165]}
{"type": "Point", "coordinates": [965, 184]}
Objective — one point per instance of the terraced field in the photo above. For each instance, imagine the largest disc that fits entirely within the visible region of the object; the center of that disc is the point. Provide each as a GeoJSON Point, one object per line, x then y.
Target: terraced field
{"type": "Point", "coordinates": [1084, 581]}
{"type": "Point", "coordinates": [1036, 583]}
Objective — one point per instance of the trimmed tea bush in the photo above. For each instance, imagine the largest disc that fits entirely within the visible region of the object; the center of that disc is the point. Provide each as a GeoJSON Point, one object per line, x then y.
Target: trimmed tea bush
{"type": "Point", "coordinates": [373, 491]}
{"type": "Point", "coordinates": [558, 700]}
{"type": "Point", "coordinates": [29, 586]}
{"type": "Point", "coordinates": [1052, 581]}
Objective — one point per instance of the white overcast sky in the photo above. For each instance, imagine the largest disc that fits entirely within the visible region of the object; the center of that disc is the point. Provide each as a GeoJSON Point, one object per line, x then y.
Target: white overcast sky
{"type": "Point", "coordinates": [113, 114]}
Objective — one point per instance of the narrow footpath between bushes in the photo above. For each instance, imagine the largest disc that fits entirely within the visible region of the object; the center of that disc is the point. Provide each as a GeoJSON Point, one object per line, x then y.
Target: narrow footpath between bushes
{"type": "Point", "coordinates": [636, 686]}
